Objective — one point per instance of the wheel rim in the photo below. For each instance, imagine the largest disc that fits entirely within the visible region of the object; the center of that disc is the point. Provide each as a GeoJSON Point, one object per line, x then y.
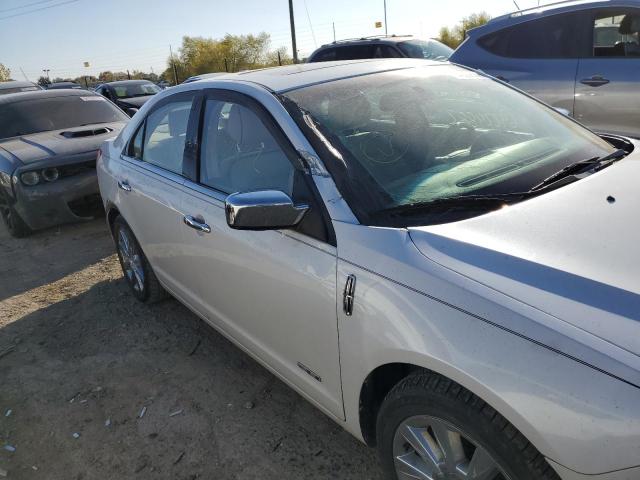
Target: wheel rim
{"type": "Point", "coordinates": [427, 448]}
{"type": "Point", "coordinates": [7, 217]}
{"type": "Point", "coordinates": [131, 260]}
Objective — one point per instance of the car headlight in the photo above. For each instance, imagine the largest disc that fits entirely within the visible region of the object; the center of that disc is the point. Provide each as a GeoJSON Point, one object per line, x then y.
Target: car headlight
{"type": "Point", "coordinates": [50, 174]}
{"type": "Point", "coordinates": [30, 178]}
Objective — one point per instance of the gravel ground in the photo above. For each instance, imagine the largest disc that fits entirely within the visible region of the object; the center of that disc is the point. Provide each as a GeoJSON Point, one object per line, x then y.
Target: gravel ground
{"type": "Point", "coordinates": [100, 386]}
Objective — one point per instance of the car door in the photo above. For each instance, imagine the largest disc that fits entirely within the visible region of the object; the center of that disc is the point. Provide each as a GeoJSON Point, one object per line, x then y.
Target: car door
{"type": "Point", "coordinates": [272, 291]}
{"type": "Point", "coordinates": [538, 56]}
{"type": "Point", "coordinates": [149, 177]}
{"type": "Point", "coordinates": [608, 80]}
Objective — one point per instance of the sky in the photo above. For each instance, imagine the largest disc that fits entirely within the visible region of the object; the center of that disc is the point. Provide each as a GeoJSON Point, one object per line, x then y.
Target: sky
{"type": "Point", "coordinates": [117, 35]}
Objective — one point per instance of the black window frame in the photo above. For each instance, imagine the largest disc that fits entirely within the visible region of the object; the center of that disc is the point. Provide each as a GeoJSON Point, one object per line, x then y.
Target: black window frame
{"type": "Point", "coordinates": [192, 158]}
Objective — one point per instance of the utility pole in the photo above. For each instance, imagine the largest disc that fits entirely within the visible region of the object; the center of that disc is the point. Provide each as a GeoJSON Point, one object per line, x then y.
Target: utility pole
{"type": "Point", "coordinates": [173, 63]}
{"type": "Point", "coordinates": [128, 74]}
{"type": "Point", "coordinates": [386, 33]}
{"type": "Point", "coordinates": [333, 24]}
{"type": "Point", "coordinates": [293, 32]}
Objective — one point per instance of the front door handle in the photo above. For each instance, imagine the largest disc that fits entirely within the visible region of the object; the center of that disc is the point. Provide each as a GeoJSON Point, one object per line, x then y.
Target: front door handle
{"type": "Point", "coordinates": [124, 185]}
{"type": "Point", "coordinates": [190, 221]}
{"type": "Point", "coordinates": [595, 81]}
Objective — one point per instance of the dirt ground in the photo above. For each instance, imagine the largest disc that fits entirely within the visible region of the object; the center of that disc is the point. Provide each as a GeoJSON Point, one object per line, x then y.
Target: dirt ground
{"type": "Point", "coordinates": [100, 386]}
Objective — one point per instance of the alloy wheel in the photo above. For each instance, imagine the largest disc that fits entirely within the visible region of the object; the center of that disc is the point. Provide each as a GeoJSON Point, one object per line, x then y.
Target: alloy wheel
{"type": "Point", "coordinates": [427, 448]}
{"type": "Point", "coordinates": [131, 260]}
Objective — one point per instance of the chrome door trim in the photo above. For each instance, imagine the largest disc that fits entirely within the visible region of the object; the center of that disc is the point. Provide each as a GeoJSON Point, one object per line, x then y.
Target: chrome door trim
{"type": "Point", "coordinates": [174, 178]}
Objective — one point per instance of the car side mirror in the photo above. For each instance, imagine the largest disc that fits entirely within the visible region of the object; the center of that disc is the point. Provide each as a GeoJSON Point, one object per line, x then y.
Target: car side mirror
{"type": "Point", "coordinates": [263, 210]}
{"type": "Point", "coordinates": [131, 111]}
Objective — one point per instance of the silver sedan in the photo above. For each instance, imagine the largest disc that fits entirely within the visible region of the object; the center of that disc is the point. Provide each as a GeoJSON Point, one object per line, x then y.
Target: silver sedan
{"type": "Point", "coordinates": [443, 265]}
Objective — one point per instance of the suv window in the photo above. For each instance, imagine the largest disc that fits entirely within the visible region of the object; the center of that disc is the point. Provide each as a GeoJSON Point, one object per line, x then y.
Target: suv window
{"type": "Point", "coordinates": [239, 154]}
{"type": "Point", "coordinates": [354, 52]}
{"type": "Point", "coordinates": [327, 55]}
{"type": "Point", "coordinates": [165, 135]}
{"type": "Point", "coordinates": [549, 37]}
{"type": "Point", "coordinates": [615, 34]}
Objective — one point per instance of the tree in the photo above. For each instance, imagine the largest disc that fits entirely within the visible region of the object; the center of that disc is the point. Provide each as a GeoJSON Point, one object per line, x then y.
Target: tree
{"type": "Point", "coordinates": [232, 53]}
{"type": "Point", "coordinates": [456, 35]}
{"type": "Point", "coordinates": [44, 82]}
{"type": "Point", "coordinates": [5, 73]}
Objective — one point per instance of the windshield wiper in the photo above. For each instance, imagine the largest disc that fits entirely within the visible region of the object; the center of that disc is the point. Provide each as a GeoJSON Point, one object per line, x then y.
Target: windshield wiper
{"type": "Point", "coordinates": [465, 201]}
{"type": "Point", "coordinates": [583, 166]}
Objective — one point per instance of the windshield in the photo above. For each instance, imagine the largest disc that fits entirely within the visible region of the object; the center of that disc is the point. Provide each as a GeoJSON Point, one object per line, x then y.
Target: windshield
{"type": "Point", "coordinates": [136, 90]}
{"type": "Point", "coordinates": [431, 50]}
{"type": "Point", "coordinates": [55, 113]}
{"type": "Point", "coordinates": [417, 135]}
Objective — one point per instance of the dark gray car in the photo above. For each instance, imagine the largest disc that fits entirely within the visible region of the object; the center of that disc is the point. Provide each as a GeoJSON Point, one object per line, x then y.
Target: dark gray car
{"type": "Point", "coordinates": [14, 86]}
{"type": "Point", "coordinates": [583, 57]}
{"type": "Point", "coordinates": [391, 46]}
{"type": "Point", "coordinates": [49, 142]}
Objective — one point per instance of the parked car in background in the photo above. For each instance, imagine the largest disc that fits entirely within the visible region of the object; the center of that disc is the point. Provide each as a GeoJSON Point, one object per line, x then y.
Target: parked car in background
{"type": "Point", "coordinates": [393, 46]}
{"type": "Point", "coordinates": [129, 95]}
{"type": "Point", "coordinates": [580, 56]}
{"type": "Point", "coordinates": [61, 85]}
{"type": "Point", "coordinates": [390, 238]}
{"type": "Point", "coordinates": [14, 86]}
{"type": "Point", "coordinates": [48, 147]}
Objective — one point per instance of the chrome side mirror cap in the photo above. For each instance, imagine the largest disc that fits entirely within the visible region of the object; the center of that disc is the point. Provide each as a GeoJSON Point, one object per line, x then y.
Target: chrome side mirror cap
{"type": "Point", "coordinates": [262, 210]}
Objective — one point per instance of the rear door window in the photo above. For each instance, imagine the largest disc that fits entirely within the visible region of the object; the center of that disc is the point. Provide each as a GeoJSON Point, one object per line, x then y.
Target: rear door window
{"type": "Point", "coordinates": [557, 36]}
{"type": "Point", "coordinates": [165, 136]}
{"type": "Point", "coordinates": [327, 55]}
{"type": "Point", "coordinates": [616, 33]}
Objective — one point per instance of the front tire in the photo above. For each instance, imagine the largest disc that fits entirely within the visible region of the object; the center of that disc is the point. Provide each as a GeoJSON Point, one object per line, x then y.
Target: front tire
{"type": "Point", "coordinates": [13, 221]}
{"type": "Point", "coordinates": [429, 427]}
{"type": "Point", "coordinates": [136, 268]}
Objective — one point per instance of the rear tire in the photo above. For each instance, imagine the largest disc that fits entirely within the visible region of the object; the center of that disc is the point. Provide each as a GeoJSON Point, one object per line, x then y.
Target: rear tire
{"type": "Point", "coordinates": [13, 221]}
{"type": "Point", "coordinates": [137, 271]}
{"type": "Point", "coordinates": [430, 423]}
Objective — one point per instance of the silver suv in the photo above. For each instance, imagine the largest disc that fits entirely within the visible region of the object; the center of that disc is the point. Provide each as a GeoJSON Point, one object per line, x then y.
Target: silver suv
{"type": "Point", "coordinates": [580, 56]}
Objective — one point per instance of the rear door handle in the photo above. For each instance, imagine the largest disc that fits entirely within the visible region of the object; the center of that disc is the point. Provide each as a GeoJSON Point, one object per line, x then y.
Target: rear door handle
{"type": "Point", "coordinates": [190, 221]}
{"type": "Point", "coordinates": [124, 185]}
{"type": "Point", "coordinates": [595, 81]}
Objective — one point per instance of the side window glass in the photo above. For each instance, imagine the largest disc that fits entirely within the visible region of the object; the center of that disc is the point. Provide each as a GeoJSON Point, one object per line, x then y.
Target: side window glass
{"type": "Point", "coordinates": [385, 51]}
{"type": "Point", "coordinates": [615, 34]}
{"type": "Point", "coordinates": [239, 154]}
{"type": "Point", "coordinates": [165, 136]}
{"type": "Point", "coordinates": [327, 55]}
{"type": "Point", "coordinates": [550, 37]}
{"type": "Point", "coordinates": [135, 146]}
{"type": "Point", "coordinates": [355, 52]}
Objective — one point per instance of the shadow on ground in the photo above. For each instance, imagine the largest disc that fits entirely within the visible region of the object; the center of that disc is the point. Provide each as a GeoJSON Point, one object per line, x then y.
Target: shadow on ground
{"type": "Point", "coordinates": [91, 364]}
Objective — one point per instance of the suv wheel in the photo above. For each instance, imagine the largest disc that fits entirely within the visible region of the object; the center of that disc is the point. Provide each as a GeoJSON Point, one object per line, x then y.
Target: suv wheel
{"type": "Point", "coordinates": [135, 266]}
{"type": "Point", "coordinates": [431, 428]}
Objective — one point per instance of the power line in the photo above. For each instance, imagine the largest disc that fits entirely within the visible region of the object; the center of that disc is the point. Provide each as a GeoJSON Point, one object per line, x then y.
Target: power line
{"type": "Point", "coordinates": [25, 6]}
{"type": "Point", "coordinates": [39, 9]}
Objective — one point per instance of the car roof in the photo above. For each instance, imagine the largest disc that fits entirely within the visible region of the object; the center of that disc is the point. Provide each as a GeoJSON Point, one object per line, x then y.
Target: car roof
{"type": "Point", "coordinates": [15, 84]}
{"type": "Point", "coordinates": [37, 94]}
{"type": "Point", "coordinates": [372, 39]}
{"type": "Point", "coordinates": [290, 77]}
{"type": "Point", "coordinates": [127, 82]}
{"type": "Point", "coordinates": [525, 15]}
